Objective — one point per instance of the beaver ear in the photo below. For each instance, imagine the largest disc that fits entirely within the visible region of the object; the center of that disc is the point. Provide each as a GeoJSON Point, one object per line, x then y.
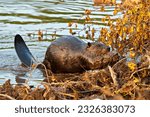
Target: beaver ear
{"type": "Point", "coordinates": [89, 44]}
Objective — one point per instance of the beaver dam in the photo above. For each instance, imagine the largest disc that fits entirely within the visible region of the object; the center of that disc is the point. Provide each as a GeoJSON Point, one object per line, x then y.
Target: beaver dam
{"type": "Point", "coordinates": [125, 71]}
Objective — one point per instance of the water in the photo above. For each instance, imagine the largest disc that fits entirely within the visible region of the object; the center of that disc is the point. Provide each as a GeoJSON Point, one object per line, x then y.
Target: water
{"type": "Point", "coordinates": [27, 17]}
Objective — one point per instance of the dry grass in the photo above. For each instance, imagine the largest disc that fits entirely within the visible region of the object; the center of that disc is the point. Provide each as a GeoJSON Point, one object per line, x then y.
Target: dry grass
{"type": "Point", "coordinates": [116, 82]}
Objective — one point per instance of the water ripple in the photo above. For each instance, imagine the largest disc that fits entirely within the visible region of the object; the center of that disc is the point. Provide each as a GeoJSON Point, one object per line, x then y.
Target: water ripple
{"type": "Point", "coordinates": [27, 16]}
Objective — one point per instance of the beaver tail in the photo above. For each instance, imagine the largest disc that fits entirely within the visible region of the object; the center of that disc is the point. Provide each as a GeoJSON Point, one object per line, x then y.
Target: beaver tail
{"type": "Point", "coordinates": [23, 52]}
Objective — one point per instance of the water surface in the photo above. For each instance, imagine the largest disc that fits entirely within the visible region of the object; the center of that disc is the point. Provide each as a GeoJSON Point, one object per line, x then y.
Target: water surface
{"type": "Point", "coordinates": [27, 17]}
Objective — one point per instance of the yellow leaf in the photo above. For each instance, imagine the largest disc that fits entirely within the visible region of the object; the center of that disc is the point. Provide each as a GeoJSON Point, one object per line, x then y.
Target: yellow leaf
{"type": "Point", "coordinates": [93, 30]}
{"type": "Point", "coordinates": [121, 33]}
{"type": "Point", "coordinates": [132, 66]}
{"type": "Point", "coordinates": [131, 49]}
{"type": "Point", "coordinates": [102, 9]}
{"type": "Point", "coordinates": [40, 35]}
{"type": "Point", "coordinates": [131, 30]}
{"type": "Point", "coordinates": [53, 78]}
{"type": "Point", "coordinates": [119, 45]}
{"type": "Point", "coordinates": [124, 29]}
{"type": "Point", "coordinates": [138, 28]}
{"type": "Point", "coordinates": [109, 42]}
{"type": "Point", "coordinates": [87, 12]}
{"type": "Point", "coordinates": [144, 25]}
{"type": "Point", "coordinates": [103, 20]}
{"type": "Point", "coordinates": [124, 36]}
{"type": "Point", "coordinates": [33, 65]}
{"type": "Point", "coordinates": [114, 1]}
{"type": "Point", "coordinates": [129, 12]}
{"type": "Point", "coordinates": [109, 22]}
{"type": "Point", "coordinates": [132, 54]}
{"type": "Point", "coordinates": [93, 33]}
{"type": "Point", "coordinates": [108, 34]}
{"type": "Point", "coordinates": [115, 12]}
{"type": "Point", "coordinates": [125, 19]}
{"type": "Point", "coordinates": [88, 18]}
{"type": "Point", "coordinates": [70, 31]}
{"type": "Point", "coordinates": [136, 80]}
{"type": "Point", "coordinates": [69, 24]}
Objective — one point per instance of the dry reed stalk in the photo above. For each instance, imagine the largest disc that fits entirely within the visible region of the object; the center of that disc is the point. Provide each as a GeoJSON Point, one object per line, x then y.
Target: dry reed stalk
{"type": "Point", "coordinates": [113, 76]}
{"type": "Point", "coordinates": [7, 96]}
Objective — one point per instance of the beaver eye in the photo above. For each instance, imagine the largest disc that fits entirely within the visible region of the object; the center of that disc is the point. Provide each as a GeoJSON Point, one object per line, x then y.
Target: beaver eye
{"type": "Point", "coordinates": [89, 44]}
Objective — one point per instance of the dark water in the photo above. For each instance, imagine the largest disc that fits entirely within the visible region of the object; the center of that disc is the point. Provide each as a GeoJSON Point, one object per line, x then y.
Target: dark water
{"type": "Point", "coordinates": [28, 16]}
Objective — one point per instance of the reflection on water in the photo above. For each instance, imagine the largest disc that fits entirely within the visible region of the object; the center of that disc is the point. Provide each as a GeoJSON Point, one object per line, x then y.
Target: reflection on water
{"type": "Point", "coordinates": [28, 16]}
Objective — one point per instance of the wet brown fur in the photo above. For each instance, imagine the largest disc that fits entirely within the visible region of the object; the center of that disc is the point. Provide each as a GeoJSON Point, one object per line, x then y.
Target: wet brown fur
{"type": "Point", "coordinates": [69, 54]}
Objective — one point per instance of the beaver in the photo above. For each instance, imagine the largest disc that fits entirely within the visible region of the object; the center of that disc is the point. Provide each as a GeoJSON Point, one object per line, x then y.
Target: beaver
{"type": "Point", "coordinates": [67, 54]}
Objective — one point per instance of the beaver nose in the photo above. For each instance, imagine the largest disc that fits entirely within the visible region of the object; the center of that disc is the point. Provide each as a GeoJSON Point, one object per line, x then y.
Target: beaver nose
{"type": "Point", "coordinates": [108, 48]}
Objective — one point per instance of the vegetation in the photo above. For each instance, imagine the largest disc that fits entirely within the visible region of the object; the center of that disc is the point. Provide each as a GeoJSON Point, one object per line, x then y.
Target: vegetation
{"type": "Point", "coordinates": [128, 78]}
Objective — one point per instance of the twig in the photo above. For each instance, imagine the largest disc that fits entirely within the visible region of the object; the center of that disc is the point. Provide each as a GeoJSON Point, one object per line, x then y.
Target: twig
{"type": "Point", "coordinates": [118, 62]}
{"type": "Point", "coordinates": [138, 71]}
{"type": "Point", "coordinates": [7, 96]}
{"type": "Point", "coordinates": [65, 94]}
{"type": "Point", "coordinates": [37, 64]}
{"type": "Point", "coordinates": [113, 75]}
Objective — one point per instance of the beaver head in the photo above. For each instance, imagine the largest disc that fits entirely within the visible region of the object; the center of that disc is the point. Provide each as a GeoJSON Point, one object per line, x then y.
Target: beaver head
{"type": "Point", "coordinates": [97, 55]}
{"type": "Point", "coordinates": [97, 48]}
